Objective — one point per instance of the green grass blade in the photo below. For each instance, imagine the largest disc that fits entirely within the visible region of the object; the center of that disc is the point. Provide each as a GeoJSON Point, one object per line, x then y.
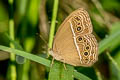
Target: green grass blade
{"type": "Point", "coordinates": [52, 29]}
{"type": "Point", "coordinates": [98, 74]}
{"type": "Point", "coordinates": [109, 41]}
{"type": "Point", "coordinates": [80, 76]}
{"type": "Point", "coordinates": [19, 59]}
{"type": "Point", "coordinates": [13, 75]}
{"type": "Point", "coordinates": [113, 61]}
{"type": "Point", "coordinates": [67, 74]}
{"type": "Point", "coordinates": [17, 46]}
{"type": "Point", "coordinates": [58, 72]}
{"type": "Point", "coordinates": [27, 55]}
{"type": "Point", "coordinates": [53, 75]}
{"type": "Point", "coordinates": [38, 59]}
{"type": "Point", "coordinates": [55, 71]}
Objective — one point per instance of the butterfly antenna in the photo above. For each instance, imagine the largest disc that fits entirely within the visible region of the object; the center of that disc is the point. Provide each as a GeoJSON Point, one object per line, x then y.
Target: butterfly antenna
{"type": "Point", "coordinates": [45, 41]}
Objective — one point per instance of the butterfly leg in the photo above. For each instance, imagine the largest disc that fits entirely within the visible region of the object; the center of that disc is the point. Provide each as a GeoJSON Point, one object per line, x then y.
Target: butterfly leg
{"type": "Point", "coordinates": [64, 66]}
{"type": "Point", "coordinates": [52, 62]}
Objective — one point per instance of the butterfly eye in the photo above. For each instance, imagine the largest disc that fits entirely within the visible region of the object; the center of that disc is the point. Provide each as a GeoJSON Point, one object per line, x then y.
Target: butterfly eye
{"type": "Point", "coordinates": [85, 53]}
{"type": "Point", "coordinates": [78, 23]}
{"type": "Point", "coordinates": [78, 28]}
{"type": "Point", "coordinates": [77, 18]}
{"type": "Point", "coordinates": [79, 39]}
{"type": "Point", "coordinates": [87, 47]}
{"type": "Point", "coordinates": [84, 40]}
{"type": "Point", "coordinates": [87, 43]}
{"type": "Point", "coordinates": [86, 60]}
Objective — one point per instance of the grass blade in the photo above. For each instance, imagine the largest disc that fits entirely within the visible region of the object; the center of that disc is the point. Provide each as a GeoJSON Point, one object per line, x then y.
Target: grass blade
{"type": "Point", "coordinates": [52, 29]}
{"type": "Point", "coordinates": [80, 76]}
{"type": "Point", "coordinates": [13, 75]}
{"type": "Point", "coordinates": [27, 55]}
{"type": "Point", "coordinates": [39, 59]}
{"type": "Point", "coordinates": [55, 71]}
{"type": "Point", "coordinates": [19, 59]}
{"type": "Point", "coordinates": [67, 74]}
{"type": "Point", "coordinates": [109, 41]}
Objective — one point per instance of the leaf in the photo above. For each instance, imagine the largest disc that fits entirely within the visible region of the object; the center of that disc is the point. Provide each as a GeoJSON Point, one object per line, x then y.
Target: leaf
{"type": "Point", "coordinates": [60, 71]}
{"type": "Point", "coordinates": [54, 73]}
{"type": "Point", "coordinates": [109, 41]}
{"type": "Point", "coordinates": [80, 76]}
{"type": "Point", "coordinates": [115, 28]}
{"type": "Point", "coordinates": [19, 59]}
{"type": "Point", "coordinates": [27, 55]}
{"type": "Point", "coordinates": [67, 72]}
{"type": "Point", "coordinates": [40, 60]}
{"type": "Point", "coordinates": [115, 67]}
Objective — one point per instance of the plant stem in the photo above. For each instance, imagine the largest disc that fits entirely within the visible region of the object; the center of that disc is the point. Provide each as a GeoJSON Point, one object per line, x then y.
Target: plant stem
{"type": "Point", "coordinates": [40, 60]}
{"type": "Point", "coordinates": [113, 61]}
{"type": "Point", "coordinates": [52, 29]}
{"type": "Point", "coordinates": [12, 36]}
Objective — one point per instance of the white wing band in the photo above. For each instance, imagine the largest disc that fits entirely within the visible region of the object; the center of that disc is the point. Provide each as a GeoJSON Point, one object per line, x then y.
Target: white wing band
{"type": "Point", "coordinates": [74, 37]}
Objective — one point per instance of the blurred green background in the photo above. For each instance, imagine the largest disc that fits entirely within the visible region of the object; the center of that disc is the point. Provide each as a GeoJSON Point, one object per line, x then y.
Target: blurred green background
{"type": "Point", "coordinates": [32, 21]}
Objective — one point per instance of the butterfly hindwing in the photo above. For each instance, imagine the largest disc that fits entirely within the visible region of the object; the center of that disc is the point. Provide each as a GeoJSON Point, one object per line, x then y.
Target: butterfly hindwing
{"type": "Point", "coordinates": [88, 49]}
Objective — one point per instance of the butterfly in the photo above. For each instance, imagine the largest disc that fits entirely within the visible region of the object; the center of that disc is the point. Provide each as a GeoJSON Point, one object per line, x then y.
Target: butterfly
{"type": "Point", "coordinates": [74, 42]}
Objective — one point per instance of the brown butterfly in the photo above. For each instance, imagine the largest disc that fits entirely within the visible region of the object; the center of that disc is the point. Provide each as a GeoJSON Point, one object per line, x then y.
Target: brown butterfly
{"type": "Point", "coordinates": [74, 42]}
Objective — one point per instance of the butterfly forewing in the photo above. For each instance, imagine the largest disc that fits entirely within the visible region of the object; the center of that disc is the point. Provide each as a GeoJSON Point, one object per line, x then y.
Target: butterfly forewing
{"type": "Point", "coordinates": [64, 48]}
{"type": "Point", "coordinates": [81, 22]}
